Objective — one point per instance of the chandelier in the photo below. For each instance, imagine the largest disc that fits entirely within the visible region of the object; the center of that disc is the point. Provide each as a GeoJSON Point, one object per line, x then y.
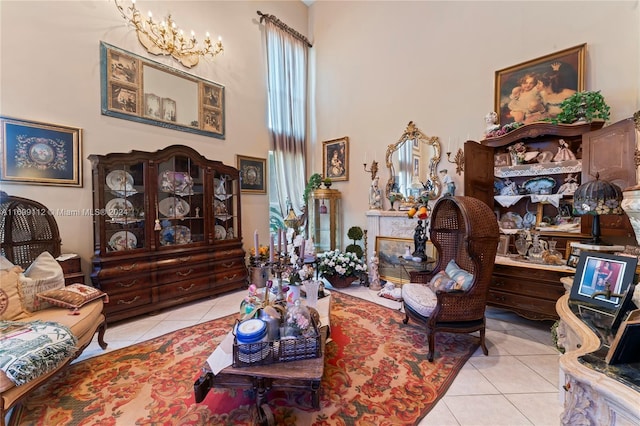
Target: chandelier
{"type": "Point", "coordinates": [165, 38]}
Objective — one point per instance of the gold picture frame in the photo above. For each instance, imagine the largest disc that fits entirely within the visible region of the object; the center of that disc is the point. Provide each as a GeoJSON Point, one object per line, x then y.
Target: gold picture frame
{"type": "Point", "coordinates": [335, 159]}
{"type": "Point", "coordinates": [561, 73]}
{"type": "Point", "coordinates": [40, 153]}
{"type": "Point", "coordinates": [391, 265]}
{"type": "Point", "coordinates": [253, 174]}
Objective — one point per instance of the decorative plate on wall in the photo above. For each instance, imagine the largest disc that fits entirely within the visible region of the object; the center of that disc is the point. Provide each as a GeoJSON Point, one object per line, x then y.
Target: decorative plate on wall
{"type": "Point", "coordinates": [123, 240]}
{"type": "Point", "coordinates": [175, 235]}
{"type": "Point", "coordinates": [174, 207]}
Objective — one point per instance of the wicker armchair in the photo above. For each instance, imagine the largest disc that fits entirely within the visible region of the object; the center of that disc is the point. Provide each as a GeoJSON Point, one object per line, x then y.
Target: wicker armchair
{"type": "Point", "coordinates": [463, 229]}
{"type": "Point", "coordinates": [27, 229]}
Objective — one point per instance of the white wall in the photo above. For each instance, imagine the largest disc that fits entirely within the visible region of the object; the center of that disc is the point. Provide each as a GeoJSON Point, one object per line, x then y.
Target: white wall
{"type": "Point", "coordinates": [49, 71]}
{"type": "Point", "coordinates": [376, 65]}
{"type": "Point", "coordinates": [380, 64]}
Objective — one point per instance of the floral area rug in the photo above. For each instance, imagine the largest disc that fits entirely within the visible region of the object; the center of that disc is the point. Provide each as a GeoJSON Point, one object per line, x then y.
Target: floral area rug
{"type": "Point", "coordinates": [376, 372]}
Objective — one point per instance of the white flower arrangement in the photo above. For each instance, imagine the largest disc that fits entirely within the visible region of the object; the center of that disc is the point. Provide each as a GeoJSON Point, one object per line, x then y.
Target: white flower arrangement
{"type": "Point", "coordinates": [341, 263]}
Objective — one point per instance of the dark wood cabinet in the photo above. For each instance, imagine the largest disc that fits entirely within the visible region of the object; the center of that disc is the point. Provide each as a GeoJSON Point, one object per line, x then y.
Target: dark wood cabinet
{"type": "Point", "coordinates": [167, 229]}
{"type": "Point", "coordinates": [529, 290]}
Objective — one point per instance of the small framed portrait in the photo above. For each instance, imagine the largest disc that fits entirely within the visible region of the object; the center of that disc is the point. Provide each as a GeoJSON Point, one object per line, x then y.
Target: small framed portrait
{"type": "Point", "coordinates": [123, 99]}
{"type": "Point", "coordinates": [40, 153]}
{"type": "Point", "coordinates": [168, 109]}
{"type": "Point", "coordinates": [253, 174]}
{"type": "Point", "coordinates": [212, 120]}
{"type": "Point", "coordinates": [335, 159]}
{"type": "Point", "coordinates": [123, 68]}
{"type": "Point", "coordinates": [502, 159]}
{"type": "Point", "coordinates": [533, 90]}
{"type": "Point", "coordinates": [152, 106]}
{"type": "Point", "coordinates": [503, 244]}
{"type": "Point", "coordinates": [212, 95]}
{"type": "Point", "coordinates": [416, 165]}
{"type": "Point", "coordinates": [601, 278]}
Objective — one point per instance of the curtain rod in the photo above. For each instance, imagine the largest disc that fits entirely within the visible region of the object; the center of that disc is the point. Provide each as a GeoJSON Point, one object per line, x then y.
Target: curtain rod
{"type": "Point", "coordinates": [278, 23]}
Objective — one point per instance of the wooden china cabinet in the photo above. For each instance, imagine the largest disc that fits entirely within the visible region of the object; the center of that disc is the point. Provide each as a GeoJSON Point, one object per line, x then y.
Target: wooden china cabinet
{"type": "Point", "coordinates": [527, 289]}
{"type": "Point", "coordinates": [167, 229]}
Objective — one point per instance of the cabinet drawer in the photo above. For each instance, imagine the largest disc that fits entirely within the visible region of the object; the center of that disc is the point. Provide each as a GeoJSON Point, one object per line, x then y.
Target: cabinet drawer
{"type": "Point", "coordinates": [530, 274]}
{"type": "Point", "coordinates": [177, 290]}
{"type": "Point", "coordinates": [529, 307]}
{"type": "Point", "coordinates": [128, 300]}
{"type": "Point", "coordinates": [230, 275]}
{"type": "Point", "coordinates": [117, 270]}
{"type": "Point", "coordinates": [226, 264]}
{"type": "Point", "coordinates": [528, 287]}
{"type": "Point", "coordinates": [124, 284]}
{"type": "Point", "coordinates": [188, 259]}
{"type": "Point", "coordinates": [226, 254]}
{"type": "Point", "coordinates": [165, 276]}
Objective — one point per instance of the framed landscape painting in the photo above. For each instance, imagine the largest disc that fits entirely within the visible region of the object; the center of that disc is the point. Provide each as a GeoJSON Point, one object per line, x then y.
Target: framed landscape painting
{"type": "Point", "coordinates": [40, 153]}
{"type": "Point", "coordinates": [533, 90]}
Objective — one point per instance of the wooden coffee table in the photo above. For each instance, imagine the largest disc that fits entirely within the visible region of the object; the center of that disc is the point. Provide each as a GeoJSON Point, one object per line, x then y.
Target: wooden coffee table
{"type": "Point", "coordinates": [302, 375]}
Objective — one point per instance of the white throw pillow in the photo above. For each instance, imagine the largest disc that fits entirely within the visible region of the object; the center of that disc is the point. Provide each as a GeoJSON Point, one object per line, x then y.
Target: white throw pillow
{"type": "Point", "coordinates": [44, 274]}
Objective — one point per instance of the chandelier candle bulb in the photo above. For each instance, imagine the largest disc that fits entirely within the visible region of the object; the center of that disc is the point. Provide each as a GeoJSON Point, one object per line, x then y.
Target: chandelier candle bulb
{"type": "Point", "coordinates": [255, 243]}
{"type": "Point", "coordinates": [271, 248]}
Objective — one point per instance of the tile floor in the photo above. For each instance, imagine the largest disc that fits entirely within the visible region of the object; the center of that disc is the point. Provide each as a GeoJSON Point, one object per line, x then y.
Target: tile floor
{"type": "Point", "coordinates": [517, 384]}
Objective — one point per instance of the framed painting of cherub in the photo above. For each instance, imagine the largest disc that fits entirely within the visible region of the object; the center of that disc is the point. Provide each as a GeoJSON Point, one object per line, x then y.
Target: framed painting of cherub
{"type": "Point", "coordinates": [533, 91]}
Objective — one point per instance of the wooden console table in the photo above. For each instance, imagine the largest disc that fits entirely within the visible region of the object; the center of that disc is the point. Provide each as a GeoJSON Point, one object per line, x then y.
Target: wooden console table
{"type": "Point", "coordinates": [593, 392]}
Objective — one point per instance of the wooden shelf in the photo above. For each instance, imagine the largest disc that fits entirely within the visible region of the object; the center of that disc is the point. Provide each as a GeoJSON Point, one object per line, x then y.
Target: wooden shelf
{"type": "Point", "coordinates": [535, 130]}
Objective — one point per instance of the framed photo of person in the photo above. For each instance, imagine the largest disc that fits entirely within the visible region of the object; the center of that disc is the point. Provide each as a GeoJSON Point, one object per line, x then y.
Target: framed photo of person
{"type": "Point", "coordinates": [532, 91]}
{"type": "Point", "coordinates": [40, 153]}
{"type": "Point", "coordinates": [253, 174]}
{"type": "Point", "coordinates": [601, 279]}
{"type": "Point", "coordinates": [335, 159]}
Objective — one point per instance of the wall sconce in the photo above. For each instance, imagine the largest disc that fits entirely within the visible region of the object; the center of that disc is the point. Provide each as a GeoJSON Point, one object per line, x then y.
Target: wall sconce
{"type": "Point", "coordinates": [165, 38]}
{"type": "Point", "coordinates": [373, 170]}
{"type": "Point", "coordinates": [458, 160]}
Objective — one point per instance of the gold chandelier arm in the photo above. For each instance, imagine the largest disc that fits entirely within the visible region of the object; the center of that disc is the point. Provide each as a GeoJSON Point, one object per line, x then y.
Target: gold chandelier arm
{"type": "Point", "coordinates": [165, 38]}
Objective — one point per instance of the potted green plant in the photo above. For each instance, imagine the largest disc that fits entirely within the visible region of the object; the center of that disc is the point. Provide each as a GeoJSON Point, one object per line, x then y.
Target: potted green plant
{"type": "Point", "coordinates": [314, 182]}
{"type": "Point", "coordinates": [340, 268]}
{"type": "Point", "coordinates": [355, 233]}
{"type": "Point", "coordinates": [327, 182]}
{"type": "Point", "coordinates": [583, 106]}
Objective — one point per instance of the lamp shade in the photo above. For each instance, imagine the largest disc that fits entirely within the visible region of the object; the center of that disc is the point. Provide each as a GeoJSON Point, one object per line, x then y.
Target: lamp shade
{"type": "Point", "coordinates": [597, 197]}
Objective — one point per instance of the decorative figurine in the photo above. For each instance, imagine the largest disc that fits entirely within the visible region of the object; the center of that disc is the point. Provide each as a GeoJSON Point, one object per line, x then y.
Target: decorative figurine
{"type": "Point", "coordinates": [374, 275]}
{"type": "Point", "coordinates": [449, 184]}
{"type": "Point", "coordinates": [564, 153]}
{"type": "Point", "coordinates": [491, 119]}
{"type": "Point", "coordinates": [420, 238]}
{"type": "Point", "coordinates": [375, 195]}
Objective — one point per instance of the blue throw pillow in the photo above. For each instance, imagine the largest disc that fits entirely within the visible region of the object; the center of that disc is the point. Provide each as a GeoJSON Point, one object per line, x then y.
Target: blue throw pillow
{"type": "Point", "coordinates": [462, 278]}
{"type": "Point", "coordinates": [442, 282]}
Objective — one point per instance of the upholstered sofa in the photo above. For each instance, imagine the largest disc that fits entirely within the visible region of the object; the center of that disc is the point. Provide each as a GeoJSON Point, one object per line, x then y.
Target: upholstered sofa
{"type": "Point", "coordinates": [34, 298]}
{"type": "Point", "coordinates": [82, 317]}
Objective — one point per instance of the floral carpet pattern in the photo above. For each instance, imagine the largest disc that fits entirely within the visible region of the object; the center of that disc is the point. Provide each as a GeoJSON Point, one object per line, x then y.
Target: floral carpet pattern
{"type": "Point", "coordinates": [376, 372]}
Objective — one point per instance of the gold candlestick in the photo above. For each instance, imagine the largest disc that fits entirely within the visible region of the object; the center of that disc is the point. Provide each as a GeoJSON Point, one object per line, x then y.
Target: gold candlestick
{"type": "Point", "coordinates": [373, 170]}
{"type": "Point", "coordinates": [458, 160]}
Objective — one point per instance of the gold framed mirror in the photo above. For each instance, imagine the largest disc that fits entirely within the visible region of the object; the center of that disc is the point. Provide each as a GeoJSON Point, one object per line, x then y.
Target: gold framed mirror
{"type": "Point", "coordinates": [413, 164]}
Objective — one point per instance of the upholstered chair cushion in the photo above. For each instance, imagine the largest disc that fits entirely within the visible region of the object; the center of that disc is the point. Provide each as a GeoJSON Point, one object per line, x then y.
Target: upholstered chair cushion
{"type": "Point", "coordinates": [44, 274]}
{"type": "Point", "coordinates": [462, 278]}
{"type": "Point", "coordinates": [72, 296]}
{"type": "Point", "coordinates": [420, 298]}
{"type": "Point", "coordinates": [10, 304]}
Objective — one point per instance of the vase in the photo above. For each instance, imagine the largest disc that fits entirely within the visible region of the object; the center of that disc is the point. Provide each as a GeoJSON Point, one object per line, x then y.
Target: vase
{"type": "Point", "coordinates": [340, 281]}
{"type": "Point", "coordinates": [259, 275]}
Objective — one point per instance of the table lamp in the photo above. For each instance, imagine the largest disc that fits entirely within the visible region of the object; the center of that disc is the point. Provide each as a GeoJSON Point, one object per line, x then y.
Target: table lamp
{"type": "Point", "coordinates": [597, 197]}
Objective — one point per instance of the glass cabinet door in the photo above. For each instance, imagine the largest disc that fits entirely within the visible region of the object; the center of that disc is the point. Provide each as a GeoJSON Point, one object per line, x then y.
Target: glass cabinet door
{"type": "Point", "coordinates": [325, 219]}
{"type": "Point", "coordinates": [179, 202]}
{"type": "Point", "coordinates": [225, 208]}
{"type": "Point", "coordinates": [124, 212]}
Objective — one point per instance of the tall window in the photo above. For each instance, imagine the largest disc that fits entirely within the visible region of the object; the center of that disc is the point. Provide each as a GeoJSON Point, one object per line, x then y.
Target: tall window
{"type": "Point", "coordinates": [287, 58]}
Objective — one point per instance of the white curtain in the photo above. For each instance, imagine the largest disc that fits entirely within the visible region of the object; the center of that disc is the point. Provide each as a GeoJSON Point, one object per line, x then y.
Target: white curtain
{"type": "Point", "coordinates": [287, 108]}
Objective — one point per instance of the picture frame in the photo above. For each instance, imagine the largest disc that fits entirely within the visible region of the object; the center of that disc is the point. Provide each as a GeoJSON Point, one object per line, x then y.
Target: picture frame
{"type": "Point", "coordinates": [416, 165]}
{"type": "Point", "coordinates": [130, 84]}
{"type": "Point", "coordinates": [253, 174]}
{"type": "Point", "coordinates": [502, 159]}
{"type": "Point", "coordinates": [559, 75]}
{"type": "Point", "coordinates": [389, 251]}
{"type": "Point", "coordinates": [594, 269]}
{"type": "Point", "coordinates": [335, 159]}
{"type": "Point", "coordinates": [40, 153]}
{"type": "Point", "coordinates": [503, 244]}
